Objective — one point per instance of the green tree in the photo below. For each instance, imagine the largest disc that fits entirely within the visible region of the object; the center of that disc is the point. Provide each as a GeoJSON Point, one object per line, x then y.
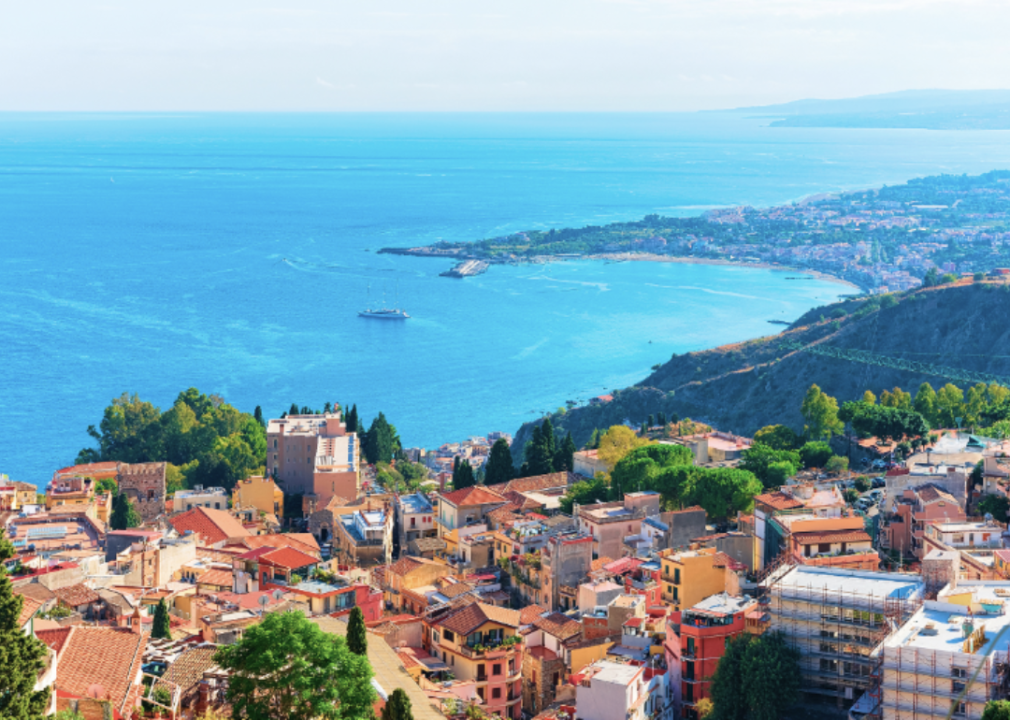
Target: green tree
{"type": "Point", "coordinates": [585, 492]}
{"type": "Point", "coordinates": [294, 409]}
{"type": "Point", "coordinates": [379, 445]}
{"type": "Point", "coordinates": [950, 405]}
{"type": "Point", "coordinates": [758, 458]}
{"type": "Point", "coordinates": [815, 454]}
{"type": "Point", "coordinates": [124, 514]}
{"type": "Point", "coordinates": [932, 278]}
{"type": "Point", "coordinates": [357, 636]}
{"type": "Point", "coordinates": [594, 440]}
{"type": "Point", "coordinates": [351, 421]}
{"type": "Point", "coordinates": [398, 706]}
{"type": "Point", "coordinates": [861, 484]}
{"type": "Point", "coordinates": [869, 397]}
{"type": "Point", "coordinates": [128, 432]}
{"type": "Point", "coordinates": [760, 681]}
{"type": "Point", "coordinates": [996, 710]}
{"type": "Point", "coordinates": [539, 452]}
{"type": "Point", "coordinates": [22, 656]}
{"type": "Point", "coordinates": [850, 495]}
{"type": "Point", "coordinates": [106, 485]}
{"type": "Point", "coordinates": [162, 629]}
{"type": "Point", "coordinates": [837, 464]}
{"type": "Point", "coordinates": [723, 492]}
{"type": "Point", "coordinates": [564, 460]}
{"type": "Point", "coordinates": [637, 469]}
{"type": "Point", "coordinates": [778, 437]}
{"type": "Point", "coordinates": [258, 416]}
{"type": "Point", "coordinates": [925, 403]}
{"type": "Point", "coordinates": [821, 414]}
{"type": "Point", "coordinates": [995, 505]}
{"type": "Point", "coordinates": [499, 468]}
{"type": "Point", "coordinates": [285, 667]}
{"type": "Point", "coordinates": [778, 473]}
{"type": "Point", "coordinates": [617, 442]}
{"type": "Point", "coordinates": [462, 475]}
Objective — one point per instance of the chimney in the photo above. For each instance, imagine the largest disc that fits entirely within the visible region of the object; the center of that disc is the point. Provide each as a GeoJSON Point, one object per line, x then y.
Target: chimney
{"type": "Point", "coordinates": [136, 624]}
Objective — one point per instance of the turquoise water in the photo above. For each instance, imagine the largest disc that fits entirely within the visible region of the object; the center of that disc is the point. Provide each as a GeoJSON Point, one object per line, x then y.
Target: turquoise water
{"type": "Point", "coordinates": [146, 253]}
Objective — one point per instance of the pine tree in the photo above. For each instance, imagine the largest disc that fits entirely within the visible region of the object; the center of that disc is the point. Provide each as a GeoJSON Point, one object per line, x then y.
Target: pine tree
{"type": "Point", "coordinates": [327, 408]}
{"type": "Point", "coordinates": [650, 422]}
{"type": "Point", "coordinates": [540, 450]}
{"type": "Point", "coordinates": [499, 468]}
{"type": "Point", "coordinates": [357, 637]}
{"type": "Point", "coordinates": [661, 419]}
{"type": "Point", "coordinates": [564, 461]}
{"type": "Point", "coordinates": [550, 443]}
{"type": "Point", "coordinates": [398, 706]}
{"type": "Point", "coordinates": [462, 475]}
{"type": "Point", "coordinates": [22, 656]}
{"type": "Point", "coordinates": [162, 629]}
{"type": "Point", "coordinates": [351, 421]}
{"type": "Point", "coordinates": [293, 410]}
{"type": "Point", "coordinates": [258, 416]}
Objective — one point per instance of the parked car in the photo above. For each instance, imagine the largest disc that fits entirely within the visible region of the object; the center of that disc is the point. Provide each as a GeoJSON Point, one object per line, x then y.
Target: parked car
{"type": "Point", "coordinates": [879, 464]}
{"type": "Point", "coordinates": [879, 482]}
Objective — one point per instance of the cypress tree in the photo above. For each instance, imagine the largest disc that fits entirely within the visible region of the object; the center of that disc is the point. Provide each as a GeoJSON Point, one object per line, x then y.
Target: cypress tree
{"type": "Point", "coordinates": [564, 461]}
{"type": "Point", "coordinates": [22, 656]}
{"type": "Point", "coordinates": [327, 408]}
{"type": "Point", "coordinates": [540, 450]}
{"type": "Point", "coordinates": [594, 440]}
{"type": "Point", "coordinates": [499, 468]}
{"type": "Point", "coordinates": [162, 628]}
{"type": "Point", "coordinates": [293, 410]}
{"type": "Point", "coordinates": [661, 419]}
{"type": "Point", "coordinates": [550, 443]}
{"type": "Point", "coordinates": [650, 422]}
{"type": "Point", "coordinates": [379, 441]}
{"type": "Point", "coordinates": [258, 415]}
{"type": "Point", "coordinates": [351, 421]}
{"type": "Point", "coordinates": [398, 706]}
{"type": "Point", "coordinates": [357, 637]}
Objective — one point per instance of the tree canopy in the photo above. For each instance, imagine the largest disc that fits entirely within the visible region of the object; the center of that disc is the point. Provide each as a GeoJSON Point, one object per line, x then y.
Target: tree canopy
{"type": "Point", "coordinates": [778, 437]}
{"type": "Point", "coordinates": [759, 459]}
{"type": "Point", "coordinates": [637, 469]}
{"type": "Point", "coordinates": [398, 707]}
{"type": "Point", "coordinates": [215, 443]}
{"type": "Point", "coordinates": [617, 442]}
{"type": "Point", "coordinates": [884, 422]}
{"type": "Point", "coordinates": [285, 667]}
{"type": "Point", "coordinates": [22, 656]}
{"type": "Point", "coordinates": [462, 474]}
{"type": "Point", "coordinates": [162, 629]}
{"type": "Point", "coordinates": [585, 492]}
{"type": "Point", "coordinates": [758, 678]}
{"type": "Point", "coordinates": [815, 454]}
{"type": "Point", "coordinates": [381, 443]}
{"type": "Point", "coordinates": [357, 636]}
{"type": "Point", "coordinates": [540, 452]}
{"type": "Point", "coordinates": [996, 710]}
{"type": "Point", "coordinates": [499, 468]}
{"type": "Point", "coordinates": [124, 514]}
{"type": "Point", "coordinates": [820, 411]}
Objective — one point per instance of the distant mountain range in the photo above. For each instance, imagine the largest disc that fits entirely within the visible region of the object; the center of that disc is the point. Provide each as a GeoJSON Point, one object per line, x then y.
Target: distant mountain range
{"type": "Point", "coordinates": [924, 109]}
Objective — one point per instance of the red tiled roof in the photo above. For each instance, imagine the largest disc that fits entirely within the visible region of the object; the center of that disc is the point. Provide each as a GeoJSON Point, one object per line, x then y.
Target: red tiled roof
{"type": "Point", "coordinates": [473, 495]}
{"type": "Point", "coordinates": [187, 670]}
{"type": "Point", "coordinates": [98, 659]}
{"type": "Point", "coordinates": [55, 639]}
{"type": "Point", "coordinates": [532, 483]}
{"type": "Point", "coordinates": [218, 578]}
{"type": "Point", "coordinates": [213, 525]}
{"type": "Point", "coordinates": [404, 565]}
{"type": "Point", "coordinates": [529, 614]}
{"type": "Point", "coordinates": [619, 567]}
{"type": "Point", "coordinates": [29, 607]}
{"type": "Point", "coordinates": [560, 626]}
{"type": "Point", "coordinates": [76, 595]}
{"type": "Point", "coordinates": [89, 469]}
{"type": "Point", "coordinates": [471, 617]}
{"type": "Point", "coordinates": [931, 493]}
{"type": "Point", "coordinates": [279, 540]}
{"type": "Point", "coordinates": [288, 558]}
{"type": "Point", "coordinates": [778, 500]}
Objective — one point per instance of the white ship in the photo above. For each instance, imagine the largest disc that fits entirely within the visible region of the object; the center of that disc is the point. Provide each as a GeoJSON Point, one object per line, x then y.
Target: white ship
{"type": "Point", "coordinates": [384, 313]}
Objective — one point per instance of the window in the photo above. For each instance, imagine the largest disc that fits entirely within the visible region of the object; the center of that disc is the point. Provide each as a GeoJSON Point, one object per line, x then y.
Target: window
{"type": "Point", "coordinates": [676, 577]}
{"type": "Point", "coordinates": [496, 693]}
{"type": "Point", "coordinates": [413, 522]}
{"type": "Point", "coordinates": [690, 646]}
{"type": "Point", "coordinates": [496, 669]}
{"type": "Point", "coordinates": [959, 672]}
{"type": "Point", "coordinates": [434, 635]}
{"type": "Point", "coordinates": [450, 636]}
{"type": "Point", "coordinates": [824, 547]}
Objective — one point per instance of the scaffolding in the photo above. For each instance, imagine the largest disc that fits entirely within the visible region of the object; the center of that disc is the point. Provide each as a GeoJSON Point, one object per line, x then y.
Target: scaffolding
{"type": "Point", "coordinates": [837, 630]}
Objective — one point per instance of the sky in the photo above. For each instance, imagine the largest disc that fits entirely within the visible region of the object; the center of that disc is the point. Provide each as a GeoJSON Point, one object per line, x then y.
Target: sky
{"type": "Point", "coordinates": [488, 55]}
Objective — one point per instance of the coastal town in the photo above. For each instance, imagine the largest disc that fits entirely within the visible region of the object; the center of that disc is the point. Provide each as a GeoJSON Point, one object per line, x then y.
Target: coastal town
{"type": "Point", "coordinates": [882, 240]}
{"type": "Point", "coordinates": [865, 561]}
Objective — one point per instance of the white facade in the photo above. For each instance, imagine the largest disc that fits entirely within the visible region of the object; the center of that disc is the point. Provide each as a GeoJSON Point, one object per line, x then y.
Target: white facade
{"type": "Point", "coordinates": [214, 497]}
{"type": "Point", "coordinates": [612, 691]}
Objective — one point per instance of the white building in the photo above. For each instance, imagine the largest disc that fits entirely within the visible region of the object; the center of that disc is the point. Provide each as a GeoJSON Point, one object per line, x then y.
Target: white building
{"type": "Point", "coordinates": [415, 518]}
{"type": "Point", "coordinates": [214, 497]}
{"type": "Point", "coordinates": [611, 691]}
{"type": "Point", "coordinates": [951, 657]}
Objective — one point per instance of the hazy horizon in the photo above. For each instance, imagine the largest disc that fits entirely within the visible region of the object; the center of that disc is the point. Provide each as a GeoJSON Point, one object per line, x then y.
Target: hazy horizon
{"type": "Point", "coordinates": [566, 56]}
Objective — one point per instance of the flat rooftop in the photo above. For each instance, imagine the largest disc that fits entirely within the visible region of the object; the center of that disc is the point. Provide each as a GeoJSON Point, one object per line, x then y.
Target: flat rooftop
{"type": "Point", "coordinates": [416, 503]}
{"type": "Point", "coordinates": [855, 582]}
{"type": "Point", "coordinates": [617, 673]}
{"type": "Point", "coordinates": [941, 626]}
{"type": "Point", "coordinates": [722, 604]}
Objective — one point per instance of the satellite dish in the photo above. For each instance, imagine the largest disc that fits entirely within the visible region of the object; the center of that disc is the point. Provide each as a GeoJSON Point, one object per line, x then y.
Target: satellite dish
{"type": "Point", "coordinates": [277, 594]}
{"type": "Point", "coordinates": [264, 600]}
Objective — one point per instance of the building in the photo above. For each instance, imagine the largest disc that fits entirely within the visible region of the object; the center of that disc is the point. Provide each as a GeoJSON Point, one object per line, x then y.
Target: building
{"type": "Point", "coordinates": [714, 447]}
{"type": "Point", "coordinates": [259, 492]}
{"type": "Point", "coordinates": [481, 643]}
{"type": "Point", "coordinates": [549, 641]}
{"type": "Point", "coordinates": [340, 597]}
{"type": "Point", "coordinates": [588, 463]}
{"type": "Point", "coordinates": [364, 538]}
{"type": "Point", "coordinates": [72, 490]}
{"type": "Point", "coordinates": [315, 456]}
{"type": "Point", "coordinates": [409, 573]}
{"type": "Point", "coordinates": [467, 506]}
{"type": "Point", "coordinates": [838, 619]}
{"type": "Point", "coordinates": [830, 542]}
{"type": "Point", "coordinates": [144, 484]}
{"type": "Point", "coordinates": [566, 559]}
{"type": "Point", "coordinates": [917, 506]}
{"type": "Point", "coordinates": [974, 541]}
{"type": "Point", "coordinates": [609, 523]}
{"type": "Point", "coordinates": [606, 690]}
{"type": "Point", "coordinates": [14, 496]}
{"type": "Point", "coordinates": [199, 496]}
{"type": "Point", "coordinates": [213, 526]}
{"type": "Point", "coordinates": [817, 501]}
{"type": "Point", "coordinates": [689, 576]}
{"type": "Point", "coordinates": [950, 658]}
{"type": "Point", "coordinates": [415, 519]}
{"type": "Point", "coordinates": [701, 636]}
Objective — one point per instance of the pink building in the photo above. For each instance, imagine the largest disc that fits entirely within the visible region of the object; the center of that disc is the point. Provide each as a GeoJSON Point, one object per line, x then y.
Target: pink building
{"type": "Point", "coordinates": [916, 508]}
{"type": "Point", "coordinates": [315, 456]}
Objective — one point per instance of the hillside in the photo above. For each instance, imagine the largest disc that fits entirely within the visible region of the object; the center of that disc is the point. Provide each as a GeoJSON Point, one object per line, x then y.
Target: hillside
{"type": "Point", "coordinates": [744, 386]}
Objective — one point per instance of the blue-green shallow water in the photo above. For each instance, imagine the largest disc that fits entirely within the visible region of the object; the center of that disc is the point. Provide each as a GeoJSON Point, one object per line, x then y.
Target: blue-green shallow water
{"type": "Point", "coordinates": [144, 253]}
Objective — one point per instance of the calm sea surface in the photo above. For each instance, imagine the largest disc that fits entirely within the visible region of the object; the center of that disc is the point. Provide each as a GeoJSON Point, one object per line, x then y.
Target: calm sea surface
{"type": "Point", "coordinates": [150, 253]}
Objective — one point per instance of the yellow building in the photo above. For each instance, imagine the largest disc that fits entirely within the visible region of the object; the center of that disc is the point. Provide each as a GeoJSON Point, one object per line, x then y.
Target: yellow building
{"type": "Point", "coordinates": [261, 493]}
{"type": "Point", "coordinates": [690, 576]}
{"type": "Point", "coordinates": [70, 491]}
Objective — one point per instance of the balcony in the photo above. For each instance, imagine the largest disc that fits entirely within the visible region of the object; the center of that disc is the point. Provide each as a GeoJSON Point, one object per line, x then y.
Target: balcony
{"type": "Point", "coordinates": [487, 651]}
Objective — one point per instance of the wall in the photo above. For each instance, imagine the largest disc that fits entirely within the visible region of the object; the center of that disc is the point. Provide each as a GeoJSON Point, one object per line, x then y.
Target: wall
{"type": "Point", "coordinates": [144, 484]}
{"type": "Point", "coordinates": [685, 525]}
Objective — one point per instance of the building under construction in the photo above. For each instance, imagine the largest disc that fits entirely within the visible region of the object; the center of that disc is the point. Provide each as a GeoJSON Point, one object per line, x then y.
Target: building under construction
{"type": "Point", "coordinates": [838, 620]}
{"type": "Point", "coordinates": [950, 658]}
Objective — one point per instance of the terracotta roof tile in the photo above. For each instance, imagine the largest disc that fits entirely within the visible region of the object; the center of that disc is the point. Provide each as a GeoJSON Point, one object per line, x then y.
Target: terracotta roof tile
{"type": "Point", "coordinates": [533, 483]}
{"type": "Point", "coordinates": [29, 607]}
{"type": "Point", "coordinates": [456, 589]}
{"type": "Point", "coordinates": [100, 657]}
{"type": "Point", "coordinates": [76, 595]}
{"type": "Point", "coordinates": [473, 616]}
{"type": "Point", "coordinates": [288, 558]}
{"type": "Point", "coordinates": [281, 540]}
{"type": "Point", "coordinates": [55, 639]}
{"type": "Point", "coordinates": [778, 500]}
{"type": "Point", "coordinates": [187, 670]}
{"type": "Point", "coordinates": [597, 565]}
{"type": "Point", "coordinates": [473, 495]}
{"type": "Point", "coordinates": [217, 577]}
{"type": "Point", "coordinates": [560, 626]}
{"type": "Point", "coordinates": [36, 591]}
{"type": "Point", "coordinates": [213, 525]}
{"type": "Point", "coordinates": [531, 613]}
{"type": "Point", "coordinates": [931, 493]}
{"type": "Point", "coordinates": [831, 536]}
{"type": "Point", "coordinates": [404, 565]}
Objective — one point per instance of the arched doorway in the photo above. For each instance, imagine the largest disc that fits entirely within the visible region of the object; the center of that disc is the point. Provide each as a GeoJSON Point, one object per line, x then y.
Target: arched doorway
{"type": "Point", "coordinates": [324, 534]}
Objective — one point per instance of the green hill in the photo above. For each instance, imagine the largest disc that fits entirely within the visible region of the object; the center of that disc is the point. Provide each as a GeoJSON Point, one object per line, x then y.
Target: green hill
{"type": "Point", "coordinates": [936, 335]}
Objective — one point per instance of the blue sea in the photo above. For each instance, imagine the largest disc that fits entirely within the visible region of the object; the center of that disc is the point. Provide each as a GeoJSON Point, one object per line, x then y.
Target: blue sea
{"type": "Point", "coordinates": [231, 252]}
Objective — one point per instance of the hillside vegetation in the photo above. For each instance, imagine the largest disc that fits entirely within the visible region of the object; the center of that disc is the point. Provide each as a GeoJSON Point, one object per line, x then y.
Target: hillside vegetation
{"type": "Point", "coordinates": [744, 386]}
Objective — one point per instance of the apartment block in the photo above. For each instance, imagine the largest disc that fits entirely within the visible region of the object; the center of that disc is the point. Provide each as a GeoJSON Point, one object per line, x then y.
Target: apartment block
{"type": "Point", "coordinates": [259, 492]}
